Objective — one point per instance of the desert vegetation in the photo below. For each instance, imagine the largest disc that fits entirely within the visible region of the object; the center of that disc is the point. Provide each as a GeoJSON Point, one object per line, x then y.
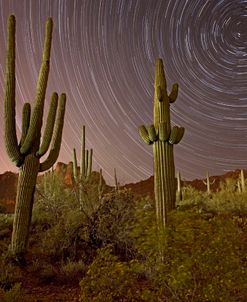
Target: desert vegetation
{"type": "Point", "coordinates": [112, 249]}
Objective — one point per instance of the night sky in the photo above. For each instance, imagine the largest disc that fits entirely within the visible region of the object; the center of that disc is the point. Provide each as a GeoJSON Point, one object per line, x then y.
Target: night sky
{"type": "Point", "coordinates": [103, 56]}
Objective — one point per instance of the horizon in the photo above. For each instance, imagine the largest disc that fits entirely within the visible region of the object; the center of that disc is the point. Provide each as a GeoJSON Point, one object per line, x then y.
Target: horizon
{"type": "Point", "coordinates": [103, 56]}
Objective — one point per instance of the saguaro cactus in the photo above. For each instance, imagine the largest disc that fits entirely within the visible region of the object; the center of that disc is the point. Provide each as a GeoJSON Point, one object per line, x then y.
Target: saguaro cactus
{"type": "Point", "coordinates": [27, 153]}
{"type": "Point", "coordinates": [100, 185]}
{"type": "Point", "coordinates": [242, 180]}
{"type": "Point", "coordinates": [179, 187]}
{"type": "Point", "coordinates": [85, 166]}
{"type": "Point", "coordinates": [162, 136]}
{"type": "Point", "coordinates": [208, 183]}
{"type": "Point", "coordinates": [116, 180]}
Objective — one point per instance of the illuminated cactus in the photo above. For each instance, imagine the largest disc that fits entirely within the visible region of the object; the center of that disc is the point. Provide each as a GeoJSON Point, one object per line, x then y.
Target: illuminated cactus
{"type": "Point", "coordinates": [208, 183]}
{"type": "Point", "coordinates": [85, 167]}
{"type": "Point", "coordinates": [162, 136]}
{"type": "Point", "coordinates": [242, 180]}
{"type": "Point", "coordinates": [27, 153]}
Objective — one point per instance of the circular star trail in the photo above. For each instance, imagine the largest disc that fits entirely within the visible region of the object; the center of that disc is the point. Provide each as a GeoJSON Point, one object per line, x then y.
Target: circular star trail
{"type": "Point", "coordinates": [103, 56]}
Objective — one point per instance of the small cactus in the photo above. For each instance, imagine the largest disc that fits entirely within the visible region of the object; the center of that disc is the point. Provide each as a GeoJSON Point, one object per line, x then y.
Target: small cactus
{"type": "Point", "coordinates": [85, 167]}
{"type": "Point", "coordinates": [116, 180]}
{"type": "Point", "coordinates": [100, 186]}
{"type": "Point", "coordinates": [242, 180]}
{"type": "Point", "coordinates": [208, 183]}
{"type": "Point", "coordinates": [179, 187]}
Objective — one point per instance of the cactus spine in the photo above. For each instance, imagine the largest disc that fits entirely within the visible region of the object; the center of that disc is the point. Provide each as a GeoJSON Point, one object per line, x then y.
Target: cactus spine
{"type": "Point", "coordinates": [85, 166]}
{"type": "Point", "coordinates": [27, 153]}
{"type": "Point", "coordinates": [208, 183]}
{"type": "Point", "coordinates": [162, 136]}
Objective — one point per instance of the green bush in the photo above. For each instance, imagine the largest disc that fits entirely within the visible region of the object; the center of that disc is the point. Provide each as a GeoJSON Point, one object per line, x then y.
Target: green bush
{"type": "Point", "coordinates": [61, 240]}
{"type": "Point", "coordinates": [111, 222]}
{"type": "Point", "coordinates": [109, 280]}
{"type": "Point", "coordinates": [72, 271]}
{"type": "Point", "coordinates": [200, 259]}
{"type": "Point", "coordinates": [2, 208]}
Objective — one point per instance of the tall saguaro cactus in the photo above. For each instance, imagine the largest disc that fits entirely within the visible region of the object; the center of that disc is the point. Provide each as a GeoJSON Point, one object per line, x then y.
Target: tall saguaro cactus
{"type": "Point", "coordinates": [27, 153]}
{"type": "Point", "coordinates": [162, 136]}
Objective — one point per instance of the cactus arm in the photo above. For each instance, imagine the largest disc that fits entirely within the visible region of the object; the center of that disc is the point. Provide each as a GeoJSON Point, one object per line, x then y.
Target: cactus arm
{"type": "Point", "coordinates": [100, 186]}
{"type": "Point", "coordinates": [46, 139]}
{"type": "Point", "coordinates": [9, 98]}
{"type": "Point", "coordinates": [174, 93]}
{"type": "Point", "coordinates": [152, 133]}
{"type": "Point", "coordinates": [144, 135]}
{"type": "Point", "coordinates": [57, 136]}
{"type": "Point", "coordinates": [176, 135]}
{"type": "Point", "coordinates": [86, 163]}
{"type": "Point", "coordinates": [36, 118]}
{"type": "Point", "coordinates": [26, 113]}
{"type": "Point", "coordinates": [83, 153]}
{"type": "Point", "coordinates": [89, 163]}
{"type": "Point", "coordinates": [116, 181]}
{"type": "Point", "coordinates": [242, 180]}
{"type": "Point", "coordinates": [75, 174]}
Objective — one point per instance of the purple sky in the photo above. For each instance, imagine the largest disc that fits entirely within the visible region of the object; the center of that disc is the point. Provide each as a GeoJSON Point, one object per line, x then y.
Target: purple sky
{"type": "Point", "coordinates": [103, 56]}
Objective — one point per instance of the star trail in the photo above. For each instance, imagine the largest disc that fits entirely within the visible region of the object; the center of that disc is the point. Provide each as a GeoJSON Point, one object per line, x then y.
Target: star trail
{"type": "Point", "coordinates": [103, 56]}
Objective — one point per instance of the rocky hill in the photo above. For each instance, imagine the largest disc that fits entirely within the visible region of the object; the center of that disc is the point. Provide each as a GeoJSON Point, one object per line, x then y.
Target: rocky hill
{"type": "Point", "coordinates": [8, 183]}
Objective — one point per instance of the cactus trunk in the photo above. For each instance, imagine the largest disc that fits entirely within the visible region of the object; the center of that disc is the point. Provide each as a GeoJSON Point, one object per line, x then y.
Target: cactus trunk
{"type": "Point", "coordinates": [24, 204]}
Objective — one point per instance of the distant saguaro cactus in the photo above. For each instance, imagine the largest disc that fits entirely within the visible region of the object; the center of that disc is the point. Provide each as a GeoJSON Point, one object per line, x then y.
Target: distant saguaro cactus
{"type": "Point", "coordinates": [116, 180]}
{"type": "Point", "coordinates": [179, 187]}
{"type": "Point", "coordinates": [242, 180]}
{"type": "Point", "coordinates": [27, 153]}
{"type": "Point", "coordinates": [162, 136]}
{"type": "Point", "coordinates": [208, 183]}
{"type": "Point", "coordinates": [100, 186]}
{"type": "Point", "coordinates": [85, 166]}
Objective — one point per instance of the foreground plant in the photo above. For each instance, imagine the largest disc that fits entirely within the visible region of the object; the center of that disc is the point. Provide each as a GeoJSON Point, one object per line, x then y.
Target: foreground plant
{"type": "Point", "coordinates": [27, 152]}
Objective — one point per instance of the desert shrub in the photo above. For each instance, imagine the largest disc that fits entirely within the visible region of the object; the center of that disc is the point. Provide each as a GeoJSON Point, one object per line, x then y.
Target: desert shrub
{"type": "Point", "coordinates": [193, 198]}
{"type": "Point", "coordinates": [200, 260]}
{"type": "Point", "coordinates": [9, 275]}
{"type": "Point", "coordinates": [111, 222]}
{"type": "Point", "coordinates": [61, 241]}
{"type": "Point", "coordinates": [228, 202]}
{"type": "Point", "coordinates": [109, 280]}
{"type": "Point", "coordinates": [72, 271]}
{"type": "Point", "coordinates": [6, 221]}
{"type": "Point", "coordinates": [52, 200]}
{"type": "Point", "coordinates": [2, 208]}
{"type": "Point", "coordinates": [15, 294]}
